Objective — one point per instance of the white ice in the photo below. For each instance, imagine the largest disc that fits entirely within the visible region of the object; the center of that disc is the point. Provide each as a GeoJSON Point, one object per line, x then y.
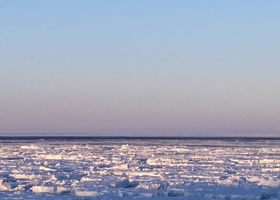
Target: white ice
{"type": "Point", "coordinates": [140, 169]}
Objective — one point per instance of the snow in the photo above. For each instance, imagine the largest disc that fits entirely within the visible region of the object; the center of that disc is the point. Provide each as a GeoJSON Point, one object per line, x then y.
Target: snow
{"type": "Point", "coordinates": [42, 189]}
{"type": "Point", "coordinates": [85, 193]}
{"type": "Point", "coordinates": [140, 169]}
{"type": "Point", "coordinates": [125, 184]}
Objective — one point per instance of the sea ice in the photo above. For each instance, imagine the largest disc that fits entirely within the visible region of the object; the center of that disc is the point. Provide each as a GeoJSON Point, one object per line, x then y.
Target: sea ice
{"type": "Point", "coordinates": [140, 169]}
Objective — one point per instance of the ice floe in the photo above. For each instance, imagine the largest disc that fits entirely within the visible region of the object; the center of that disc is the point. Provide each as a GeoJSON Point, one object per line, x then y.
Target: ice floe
{"type": "Point", "coordinates": [140, 169]}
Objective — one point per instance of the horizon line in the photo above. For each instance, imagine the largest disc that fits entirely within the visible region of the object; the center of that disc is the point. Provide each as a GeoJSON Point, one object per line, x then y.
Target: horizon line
{"type": "Point", "coordinates": [71, 137]}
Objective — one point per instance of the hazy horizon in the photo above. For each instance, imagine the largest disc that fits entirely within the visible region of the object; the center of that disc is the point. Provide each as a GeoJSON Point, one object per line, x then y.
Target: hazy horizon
{"type": "Point", "coordinates": [140, 68]}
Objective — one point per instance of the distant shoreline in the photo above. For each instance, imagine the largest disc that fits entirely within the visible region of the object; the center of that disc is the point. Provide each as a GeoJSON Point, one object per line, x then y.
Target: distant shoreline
{"type": "Point", "coordinates": [131, 138]}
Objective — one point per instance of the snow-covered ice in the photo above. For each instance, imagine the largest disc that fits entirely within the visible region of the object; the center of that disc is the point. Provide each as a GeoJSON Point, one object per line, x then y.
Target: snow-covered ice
{"type": "Point", "coordinates": [140, 169]}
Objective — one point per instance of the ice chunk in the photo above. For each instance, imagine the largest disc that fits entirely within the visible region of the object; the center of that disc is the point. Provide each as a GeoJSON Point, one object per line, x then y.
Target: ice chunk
{"type": "Point", "coordinates": [86, 193]}
{"type": "Point", "coordinates": [29, 147]}
{"type": "Point", "coordinates": [104, 165]}
{"type": "Point", "coordinates": [125, 184]}
{"type": "Point", "coordinates": [142, 161]}
{"type": "Point", "coordinates": [62, 190]}
{"type": "Point", "coordinates": [159, 186]}
{"type": "Point", "coordinates": [146, 194]}
{"type": "Point", "coordinates": [7, 185]}
{"type": "Point", "coordinates": [42, 168]}
{"type": "Point", "coordinates": [121, 167]}
{"type": "Point", "coordinates": [8, 182]}
{"type": "Point", "coordinates": [43, 189]}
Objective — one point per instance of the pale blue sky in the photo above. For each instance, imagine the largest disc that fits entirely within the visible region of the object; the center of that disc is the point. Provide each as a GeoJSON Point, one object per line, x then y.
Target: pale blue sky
{"type": "Point", "coordinates": [140, 67]}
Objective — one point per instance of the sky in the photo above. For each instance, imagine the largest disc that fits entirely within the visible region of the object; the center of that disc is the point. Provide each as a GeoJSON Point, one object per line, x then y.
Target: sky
{"type": "Point", "coordinates": [140, 68]}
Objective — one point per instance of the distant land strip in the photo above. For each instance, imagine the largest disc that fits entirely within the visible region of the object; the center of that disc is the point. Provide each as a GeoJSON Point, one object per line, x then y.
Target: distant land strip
{"type": "Point", "coordinates": [132, 138]}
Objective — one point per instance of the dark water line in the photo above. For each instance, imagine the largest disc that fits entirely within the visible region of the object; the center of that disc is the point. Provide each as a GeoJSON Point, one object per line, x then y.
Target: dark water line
{"type": "Point", "coordinates": [133, 138]}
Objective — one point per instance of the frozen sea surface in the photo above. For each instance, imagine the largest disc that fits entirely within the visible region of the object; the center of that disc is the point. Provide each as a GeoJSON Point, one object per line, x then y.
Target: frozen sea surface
{"type": "Point", "coordinates": [140, 169]}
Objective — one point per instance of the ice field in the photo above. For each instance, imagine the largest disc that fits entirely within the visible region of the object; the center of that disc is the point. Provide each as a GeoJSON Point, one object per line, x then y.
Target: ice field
{"type": "Point", "coordinates": [140, 169]}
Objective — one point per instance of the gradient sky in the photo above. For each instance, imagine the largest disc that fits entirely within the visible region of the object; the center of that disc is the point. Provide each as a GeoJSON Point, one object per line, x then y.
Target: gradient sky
{"type": "Point", "coordinates": [147, 67]}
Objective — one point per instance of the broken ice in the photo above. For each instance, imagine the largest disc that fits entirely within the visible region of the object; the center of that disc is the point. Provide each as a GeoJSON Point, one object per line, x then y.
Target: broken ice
{"type": "Point", "coordinates": [140, 169]}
